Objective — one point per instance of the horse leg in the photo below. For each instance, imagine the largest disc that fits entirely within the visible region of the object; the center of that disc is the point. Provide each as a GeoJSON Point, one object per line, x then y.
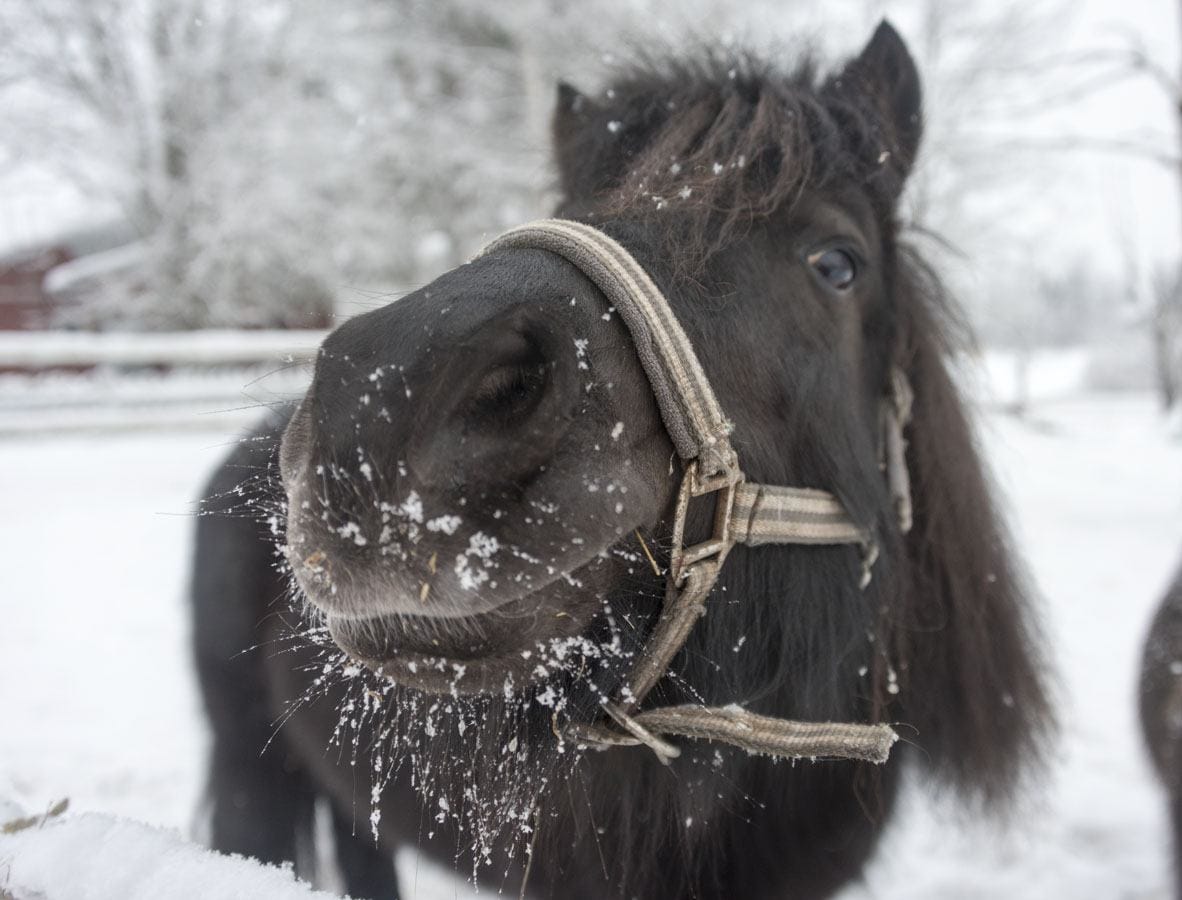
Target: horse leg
{"type": "Point", "coordinates": [261, 805]}
{"type": "Point", "coordinates": [260, 797]}
{"type": "Point", "coordinates": [368, 871]}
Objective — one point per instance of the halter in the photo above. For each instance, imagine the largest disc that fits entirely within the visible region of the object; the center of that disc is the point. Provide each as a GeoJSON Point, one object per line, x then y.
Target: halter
{"type": "Point", "coordinates": [744, 513]}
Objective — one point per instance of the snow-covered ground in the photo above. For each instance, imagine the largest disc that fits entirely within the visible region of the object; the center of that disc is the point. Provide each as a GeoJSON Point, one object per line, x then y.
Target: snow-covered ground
{"type": "Point", "coordinates": [93, 856]}
{"type": "Point", "coordinates": [98, 702]}
{"type": "Point", "coordinates": [1095, 491]}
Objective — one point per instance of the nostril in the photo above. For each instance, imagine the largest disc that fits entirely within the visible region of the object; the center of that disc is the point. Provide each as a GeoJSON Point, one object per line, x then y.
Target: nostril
{"type": "Point", "coordinates": [508, 393]}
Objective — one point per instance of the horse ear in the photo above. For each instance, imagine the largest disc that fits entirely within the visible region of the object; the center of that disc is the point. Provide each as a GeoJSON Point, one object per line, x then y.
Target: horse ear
{"type": "Point", "coordinates": [571, 110]}
{"type": "Point", "coordinates": [570, 99]}
{"type": "Point", "coordinates": [885, 74]}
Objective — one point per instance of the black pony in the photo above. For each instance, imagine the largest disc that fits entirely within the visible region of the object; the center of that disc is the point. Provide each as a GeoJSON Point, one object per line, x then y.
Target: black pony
{"type": "Point", "coordinates": [1161, 707]}
{"type": "Point", "coordinates": [478, 493]}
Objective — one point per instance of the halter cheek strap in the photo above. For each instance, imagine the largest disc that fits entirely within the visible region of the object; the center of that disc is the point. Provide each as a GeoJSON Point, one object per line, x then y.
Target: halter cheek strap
{"type": "Point", "coordinates": [745, 513]}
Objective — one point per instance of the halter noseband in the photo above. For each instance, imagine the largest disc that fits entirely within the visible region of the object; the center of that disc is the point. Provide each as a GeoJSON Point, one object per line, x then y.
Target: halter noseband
{"type": "Point", "coordinates": [745, 513]}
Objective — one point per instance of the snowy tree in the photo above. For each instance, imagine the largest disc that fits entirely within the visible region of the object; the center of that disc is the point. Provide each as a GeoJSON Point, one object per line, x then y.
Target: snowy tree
{"type": "Point", "coordinates": [1165, 328]}
{"type": "Point", "coordinates": [182, 112]}
{"type": "Point", "coordinates": [278, 153]}
{"type": "Point", "coordinates": [1120, 57]}
{"type": "Point", "coordinates": [273, 154]}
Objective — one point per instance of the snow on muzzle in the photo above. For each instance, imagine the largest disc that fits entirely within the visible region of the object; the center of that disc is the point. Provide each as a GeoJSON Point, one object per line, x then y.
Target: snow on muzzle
{"type": "Point", "coordinates": [522, 640]}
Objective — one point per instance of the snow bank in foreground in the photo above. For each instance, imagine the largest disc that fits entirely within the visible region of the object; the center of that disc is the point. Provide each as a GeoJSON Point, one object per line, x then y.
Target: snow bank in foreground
{"type": "Point", "coordinates": [100, 857]}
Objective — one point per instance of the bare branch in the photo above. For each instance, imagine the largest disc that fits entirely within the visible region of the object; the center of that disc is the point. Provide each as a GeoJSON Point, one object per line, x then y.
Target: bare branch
{"type": "Point", "coordinates": [1093, 144]}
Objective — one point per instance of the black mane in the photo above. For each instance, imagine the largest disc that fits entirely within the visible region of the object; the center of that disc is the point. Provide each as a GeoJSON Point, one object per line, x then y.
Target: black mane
{"type": "Point", "coordinates": [703, 145]}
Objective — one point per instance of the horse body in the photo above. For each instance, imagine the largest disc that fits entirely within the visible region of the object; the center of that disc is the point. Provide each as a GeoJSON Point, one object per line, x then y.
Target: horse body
{"type": "Point", "coordinates": [469, 482]}
{"type": "Point", "coordinates": [1161, 707]}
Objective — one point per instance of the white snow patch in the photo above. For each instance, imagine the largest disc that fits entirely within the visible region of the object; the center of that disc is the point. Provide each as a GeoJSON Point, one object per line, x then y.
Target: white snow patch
{"type": "Point", "coordinates": [482, 547]}
{"type": "Point", "coordinates": [102, 857]}
{"type": "Point", "coordinates": [446, 524]}
{"type": "Point", "coordinates": [352, 531]}
{"type": "Point", "coordinates": [412, 507]}
{"type": "Point", "coordinates": [581, 352]}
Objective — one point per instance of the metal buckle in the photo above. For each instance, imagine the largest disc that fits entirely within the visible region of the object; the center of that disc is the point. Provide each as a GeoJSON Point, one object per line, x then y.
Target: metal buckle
{"type": "Point", "coordinates": [719, 544]}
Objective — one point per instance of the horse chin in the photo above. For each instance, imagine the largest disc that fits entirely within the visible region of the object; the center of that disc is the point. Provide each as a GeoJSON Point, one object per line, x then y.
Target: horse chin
{"type": "Point", "coordinates": [520, 643]}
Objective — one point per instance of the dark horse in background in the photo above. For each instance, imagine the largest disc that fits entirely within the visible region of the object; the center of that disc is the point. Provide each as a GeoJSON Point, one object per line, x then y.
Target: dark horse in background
{"type": "Point", "coordinates": [494, 429]}
{"type": "Point", "coordinates": [1161, 706]}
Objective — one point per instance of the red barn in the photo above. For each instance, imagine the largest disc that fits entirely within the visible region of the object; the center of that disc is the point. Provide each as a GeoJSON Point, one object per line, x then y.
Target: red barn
{"type": "Point", "coordinates": [23, 301]}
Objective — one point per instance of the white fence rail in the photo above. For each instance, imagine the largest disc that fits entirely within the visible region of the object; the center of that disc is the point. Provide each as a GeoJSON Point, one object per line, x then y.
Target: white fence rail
{"type": "Point", "coordinates": [211, 380]}
{"type": "Point", "coordinates": [47, 349]}
{"type": "Point", "coordinates": [227, 398]}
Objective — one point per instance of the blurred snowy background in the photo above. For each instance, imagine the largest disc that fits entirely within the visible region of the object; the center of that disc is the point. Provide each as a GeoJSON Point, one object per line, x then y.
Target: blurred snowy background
{"type": "Point", "coordinates": [191, 190]}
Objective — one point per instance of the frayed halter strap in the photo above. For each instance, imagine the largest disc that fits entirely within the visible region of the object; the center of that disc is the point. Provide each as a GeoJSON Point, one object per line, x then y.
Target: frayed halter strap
{"type": "Point", "coordinates": [745, 513]}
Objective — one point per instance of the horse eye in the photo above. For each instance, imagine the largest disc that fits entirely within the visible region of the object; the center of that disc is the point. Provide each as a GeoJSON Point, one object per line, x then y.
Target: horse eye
{"type": "Point", "coordinates": [836, 268]}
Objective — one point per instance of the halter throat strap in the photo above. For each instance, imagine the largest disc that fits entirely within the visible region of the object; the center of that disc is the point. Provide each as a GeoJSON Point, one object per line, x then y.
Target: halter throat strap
{"type": "Point", "coordinates": [746, 513]}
